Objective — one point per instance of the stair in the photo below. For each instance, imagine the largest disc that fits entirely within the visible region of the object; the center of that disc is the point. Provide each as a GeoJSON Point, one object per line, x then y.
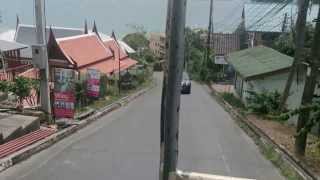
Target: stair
{"type": "Point", "coordinates": [24, 141]}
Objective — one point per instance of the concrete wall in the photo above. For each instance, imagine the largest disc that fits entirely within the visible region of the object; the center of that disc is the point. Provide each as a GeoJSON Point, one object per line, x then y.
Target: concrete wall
{"type": "Point", "coordinates": [273, 82]}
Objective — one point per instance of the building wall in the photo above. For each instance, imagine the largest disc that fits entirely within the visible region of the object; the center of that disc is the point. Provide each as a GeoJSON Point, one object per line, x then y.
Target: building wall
{"type": "Point", "coordinates": [157, 44]}
{"type": "Point", "coordinates": [274, 82]}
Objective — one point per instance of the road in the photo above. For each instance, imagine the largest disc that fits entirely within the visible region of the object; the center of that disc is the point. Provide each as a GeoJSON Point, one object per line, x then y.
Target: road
{"type": "Point", "coordinates": [125, 145]}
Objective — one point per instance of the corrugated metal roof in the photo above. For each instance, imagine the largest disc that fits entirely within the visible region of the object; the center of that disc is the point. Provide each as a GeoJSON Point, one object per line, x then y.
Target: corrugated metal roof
{"type": "Point", "coordinates": [269, 17]}
{"type": "Point", "coordinates": [259, 60]}
{"type": "Point", "coordinates": [8, 46]}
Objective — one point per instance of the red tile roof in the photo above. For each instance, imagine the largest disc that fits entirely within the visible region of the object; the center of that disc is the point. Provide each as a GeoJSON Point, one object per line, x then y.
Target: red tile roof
{"type": "Point", "coordinates": [84, 50]}
{"type": "Point", "coordinates": [108, 67]}
{"type": "Point", "coordinates": [128, 63]}
{"type": "Point", "coordinates": [112, 44]}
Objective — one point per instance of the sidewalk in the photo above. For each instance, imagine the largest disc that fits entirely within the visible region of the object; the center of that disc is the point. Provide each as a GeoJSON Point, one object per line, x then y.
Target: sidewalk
{"type": "Point", "coordinates": [46, 142]}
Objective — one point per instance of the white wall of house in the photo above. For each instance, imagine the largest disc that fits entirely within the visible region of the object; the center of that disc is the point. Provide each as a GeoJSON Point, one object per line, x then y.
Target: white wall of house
{"type": "Point", "coordinates": [273, 82]}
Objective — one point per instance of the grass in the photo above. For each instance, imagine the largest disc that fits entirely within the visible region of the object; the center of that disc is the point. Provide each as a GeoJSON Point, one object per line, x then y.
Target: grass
{"type": "Point", "coordinates": [288, 172]}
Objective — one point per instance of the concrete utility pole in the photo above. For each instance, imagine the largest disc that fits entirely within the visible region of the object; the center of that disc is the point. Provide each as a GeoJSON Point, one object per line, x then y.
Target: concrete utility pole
{"type": "Point", "coordinates": [309, 87]}
{"type": "Point", "coordinates": [43, 55]}
{"type": "Point", "coordinates": [299, 42]}
{"type": "Point", "coordinates": [164, 86]}
{"type": "Point", "coordinates": [210, 30]}
{"type": "Point", "coordinates": [172, 103]}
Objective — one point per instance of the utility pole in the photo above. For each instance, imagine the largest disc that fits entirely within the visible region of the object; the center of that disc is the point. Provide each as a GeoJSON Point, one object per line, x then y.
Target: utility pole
{"type": "Point", "coordinates": [164, 85]}
{"type": "Point", "coordinates": [299, 42]}
{"type": "Point", "coordinates": [44, 69]}
{"type": "Point", "coordinates": [308, 92]}
{"type": "Point", "coordinates": [284, 24]}
{"type": "Point", "coordinates": [173, 91]}
{"type": "Point", "coordinates": [210, 37]}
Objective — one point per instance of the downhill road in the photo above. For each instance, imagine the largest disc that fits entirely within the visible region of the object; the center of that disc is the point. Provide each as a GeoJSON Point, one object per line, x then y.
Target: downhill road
{"type": "Point", "coordinates": [125, 145]}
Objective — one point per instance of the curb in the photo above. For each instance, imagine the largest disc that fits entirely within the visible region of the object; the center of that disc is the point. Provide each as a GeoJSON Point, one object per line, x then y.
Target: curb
{"type": "Point", "coordinates": [43, 144]}
{"type": "Point", "coordinates": [265, 143]}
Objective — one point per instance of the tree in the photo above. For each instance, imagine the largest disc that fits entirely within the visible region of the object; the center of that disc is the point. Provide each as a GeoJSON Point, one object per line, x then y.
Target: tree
{"type": "Point", "coordinates": [285, 42]}
{"type": "Point", "coordinates": [308, 92]}
{"type": "Point", "coordinates": [299, 48]}
{"type": "Point", "coordinates": [21, 87]}
{"type": "Point", "coordinates": [197, 65]}
{"type": "Point", "coordinates": [136, 40]}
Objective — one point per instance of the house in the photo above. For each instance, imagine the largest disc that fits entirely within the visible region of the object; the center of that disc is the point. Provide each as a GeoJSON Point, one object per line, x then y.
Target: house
{"type": "Point", "coordinates": [157, 44]}
{"type": "Point", "coordinates": [222, 44]}
{"type": "Point", "coordinates": [80, 53]}
{"type": "Point", "coordinates": [262, 69]}
{"type": "Point", "coordinates": [26, 34]}
{"type": "Point", "coordinates": [11, 63]}
{"type": "Point", "coordinates": [119, 54]}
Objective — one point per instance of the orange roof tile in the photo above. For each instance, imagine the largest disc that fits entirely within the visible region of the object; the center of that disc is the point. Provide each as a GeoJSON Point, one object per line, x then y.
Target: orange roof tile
{"type": "Point", "coordinates": [112, 44]}
{"type": "Point", "coordinates": [85, 50]}
{"type": "Point", "coordinates": [128, 63]}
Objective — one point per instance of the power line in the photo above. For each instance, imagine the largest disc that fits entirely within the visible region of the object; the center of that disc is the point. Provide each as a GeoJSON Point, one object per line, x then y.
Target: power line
{"type": "Point", "coordinates": [268, 13]}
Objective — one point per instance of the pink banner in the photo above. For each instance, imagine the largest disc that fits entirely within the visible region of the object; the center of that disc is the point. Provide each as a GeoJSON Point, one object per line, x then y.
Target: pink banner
{"type": "Point", "coordinates": [64, 104]}
{"type": "Point", "coordinates": [93, 83]}
{"type": "Point", "coordinates": [64, 97]}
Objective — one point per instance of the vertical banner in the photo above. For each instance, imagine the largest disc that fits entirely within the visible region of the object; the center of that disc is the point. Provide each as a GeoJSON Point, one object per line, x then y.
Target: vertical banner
{"type": "Point", "coordinates": [93, 83]}
{"type": "Point", "coordinates": [64, 97]}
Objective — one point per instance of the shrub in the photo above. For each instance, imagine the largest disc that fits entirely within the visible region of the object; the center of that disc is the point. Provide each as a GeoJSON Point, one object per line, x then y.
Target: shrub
{"type": "Point", "coordinates": [4, 86]}
{"type": "Point", "coordinates": [103, 85]}
{"type": "Point", "coordinates": [80, 93]}
{"type": "Point", "coordinates": [21, 87]}
{"type": "Point", "coordinates": [232, 100]}
{"type": "Point", "coordinates": [264, 103]}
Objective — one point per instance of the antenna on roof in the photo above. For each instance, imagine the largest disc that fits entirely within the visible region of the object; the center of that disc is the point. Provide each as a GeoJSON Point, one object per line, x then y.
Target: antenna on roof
{"type": "Point", "coordinates": [85, 27]}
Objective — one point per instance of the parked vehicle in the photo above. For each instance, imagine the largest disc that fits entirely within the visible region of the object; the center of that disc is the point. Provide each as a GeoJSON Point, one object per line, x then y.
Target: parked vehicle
{"type": "Point", "coordinates": [185, 84]}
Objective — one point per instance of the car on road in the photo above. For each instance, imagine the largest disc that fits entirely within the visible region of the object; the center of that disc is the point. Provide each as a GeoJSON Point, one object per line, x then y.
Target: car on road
{"type": "Point", "coordinates": [185, 84]}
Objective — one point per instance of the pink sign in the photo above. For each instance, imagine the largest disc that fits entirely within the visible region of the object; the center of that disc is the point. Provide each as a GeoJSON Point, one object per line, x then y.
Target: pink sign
{"type": "Point", "coordinates": [93, 83]}
{"type": "Point", "coordinates": [64, 98]}
{"type": "Point", "coordinates": [64, 104]}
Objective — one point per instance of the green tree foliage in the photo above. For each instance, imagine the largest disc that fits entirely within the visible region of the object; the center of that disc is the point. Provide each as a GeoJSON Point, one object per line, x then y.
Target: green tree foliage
{"type": "Point", "coordinates": [285, 43]}
{"type": "Point", "coordinates": [21, 87]}
{"type": "Point", "coordinates": [313, 121]}
{"type": "Point", "coordinates": [198, 66]}
{"type": "Point", "coordinates": [4, 86]}
{"type": "Point", "coordinates": [264, 103]}
{"type": "Point", "coordinates": [136, 40]}
{"type": "Point", "coordinates": [140, 43]}
{"type": "Point", "coordinates": [80, 93]}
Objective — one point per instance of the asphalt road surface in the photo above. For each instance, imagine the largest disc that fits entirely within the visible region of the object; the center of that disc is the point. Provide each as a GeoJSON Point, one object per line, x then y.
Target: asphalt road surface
{"type": "Point", "coordinates": [124, 145]}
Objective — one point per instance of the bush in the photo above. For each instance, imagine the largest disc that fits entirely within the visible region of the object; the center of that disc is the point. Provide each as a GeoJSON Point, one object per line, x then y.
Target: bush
{"type": "Point", "coordinates": [4, 86]}
{"type": "Point", "coordinates": [266, 103]}
{"type": "Point", "coordinates": [21, 87]}
{"type": "Point", "coordinates": [80, 93]}
{"type": "Point", "coordinates": [103, 85]}
{"type": "Point", "coordinates": [232, 100]}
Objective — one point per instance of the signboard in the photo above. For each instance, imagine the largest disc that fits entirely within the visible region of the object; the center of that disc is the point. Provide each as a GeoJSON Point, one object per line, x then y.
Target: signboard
{"type": "Point", "coordinates": [220, 60]}
{"type": "Point", "coordinates": [93, 83]}
{"type": "Point", "coordinates": [64, 97]}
